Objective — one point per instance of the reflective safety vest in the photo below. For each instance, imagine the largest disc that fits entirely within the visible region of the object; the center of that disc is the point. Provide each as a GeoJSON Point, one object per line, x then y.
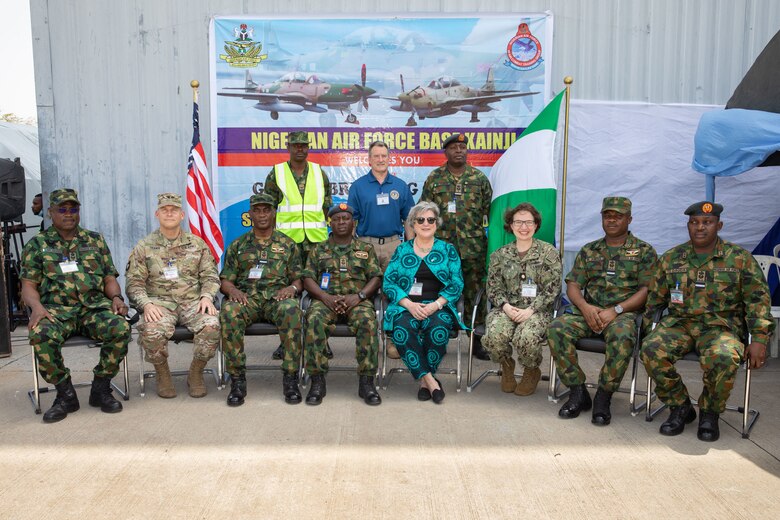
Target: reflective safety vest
{"type": "Point", "coordinates": [297, 217]}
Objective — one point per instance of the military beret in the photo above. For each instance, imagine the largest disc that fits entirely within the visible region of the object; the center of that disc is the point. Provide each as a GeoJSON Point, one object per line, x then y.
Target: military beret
{"type": "Point", "coordinates": [340, 208]}
{"type": "Point", "coordinates": [168, 199]}
{"type": "Point", "coordinates": [262, 198]}
{"type": "Point", "coordinates": [298, 137]}
{"type": "Point", "coordinates": [455, 138]}
{"type": "Point", "coordinates": [63, 195]}
{"type": "Point", "coordinates": [619, 204]}
{"type": "Point", "coordinates": [704, 208]}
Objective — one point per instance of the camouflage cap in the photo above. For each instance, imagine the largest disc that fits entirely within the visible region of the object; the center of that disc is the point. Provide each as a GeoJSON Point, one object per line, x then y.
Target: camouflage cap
{"type": "Point", "coordinates": [262, 198]}
{"type": "Point", "coordinates": [299, 137]}
{"type": "Point", "coordinates": [340, 208]}
{"type": "Point", "coordinates": [455, 138]}
{"type": "Point", "coordinates": [168, 199]}
{"type": "Point", "coordinates": [63, 195]}
{"type": "Point", "coordinates": [619, 204]}
{"type": "Point", "coordinates": [704, 208]}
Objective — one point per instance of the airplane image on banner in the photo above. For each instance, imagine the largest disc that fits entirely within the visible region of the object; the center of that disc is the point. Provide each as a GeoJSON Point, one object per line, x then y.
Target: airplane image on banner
{"type": "Point", "coordinates": [445, 96]}
{"type": "Point", "coordinates": [296, 92]}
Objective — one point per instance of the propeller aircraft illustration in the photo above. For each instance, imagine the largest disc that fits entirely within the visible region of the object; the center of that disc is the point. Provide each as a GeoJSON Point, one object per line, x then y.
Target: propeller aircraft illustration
{"type": "Point", "coordinates": [296, 92]}
{"type": "Point", "coordinates": [445, 96]}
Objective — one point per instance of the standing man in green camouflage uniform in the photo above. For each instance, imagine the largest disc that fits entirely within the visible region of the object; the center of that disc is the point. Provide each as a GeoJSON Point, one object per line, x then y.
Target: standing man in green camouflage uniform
{"type": "Point", "coordinates": [463, 195]}
{"type": "Point", "coordinates": [712, 289]}
{"type": "Point", "coordinates": [172, 278]}
{"type": "Point", "coordinates": [342, 275]}
{"type": "Point", "coordinates": [261, 279]}
{"type": "Point", "coordinates": [607, 287]}
{"type": "Point", "coordinates": [69, 284]}
{"type": "Point", "coordinates": [302, 196]}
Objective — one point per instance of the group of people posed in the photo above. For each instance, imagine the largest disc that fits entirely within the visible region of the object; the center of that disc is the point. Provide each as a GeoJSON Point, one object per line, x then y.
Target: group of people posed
{"type": "Point", "coordinates": [425, 258]}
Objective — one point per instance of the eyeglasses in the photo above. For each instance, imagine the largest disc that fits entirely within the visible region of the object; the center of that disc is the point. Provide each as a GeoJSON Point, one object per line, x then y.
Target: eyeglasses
{"type": "Point", "coordinates": [72, 210]}
{"type": "Point", "coordinates": [421, 220]}
{"type": "Point", "coordinates": [523, 223]}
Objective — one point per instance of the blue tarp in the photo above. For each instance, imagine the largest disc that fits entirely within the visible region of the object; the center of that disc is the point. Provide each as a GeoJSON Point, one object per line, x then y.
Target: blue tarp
{"type": "Point", "coordinates": [729, 142]}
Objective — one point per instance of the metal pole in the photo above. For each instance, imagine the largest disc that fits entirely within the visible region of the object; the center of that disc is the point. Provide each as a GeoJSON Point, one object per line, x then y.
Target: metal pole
{"type": "Point", "coordinates": [568, 80]}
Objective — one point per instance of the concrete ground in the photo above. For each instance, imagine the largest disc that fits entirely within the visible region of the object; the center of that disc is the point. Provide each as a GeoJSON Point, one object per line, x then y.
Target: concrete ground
{"type": "Point", "coordinates": [479, 455]}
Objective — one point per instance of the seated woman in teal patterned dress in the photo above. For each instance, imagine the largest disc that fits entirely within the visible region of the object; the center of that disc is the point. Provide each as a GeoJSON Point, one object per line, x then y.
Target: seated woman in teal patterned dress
{"type": "Point", "coordinates": [423, 282]}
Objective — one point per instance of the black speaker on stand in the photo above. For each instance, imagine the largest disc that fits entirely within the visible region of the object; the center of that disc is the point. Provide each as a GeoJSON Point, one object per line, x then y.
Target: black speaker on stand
{"type": "Point", "coordinates": [12, 202]}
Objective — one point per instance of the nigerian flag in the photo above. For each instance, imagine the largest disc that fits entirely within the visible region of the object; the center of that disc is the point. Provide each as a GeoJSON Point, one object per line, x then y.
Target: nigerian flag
{"type": "Point", "coordinates": [526, 173]}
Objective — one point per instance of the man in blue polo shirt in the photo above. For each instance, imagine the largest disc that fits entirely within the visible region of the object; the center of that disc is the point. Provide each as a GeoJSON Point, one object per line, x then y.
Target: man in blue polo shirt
{"type": "Point", "coordinates": [381, 203]}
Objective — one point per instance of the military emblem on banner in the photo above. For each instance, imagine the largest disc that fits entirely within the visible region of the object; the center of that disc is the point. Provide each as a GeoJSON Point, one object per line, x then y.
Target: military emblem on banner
{"type": "Point", "coordinates": [523, 50]}
{"type": "Point", "coordinates": [243, 52]}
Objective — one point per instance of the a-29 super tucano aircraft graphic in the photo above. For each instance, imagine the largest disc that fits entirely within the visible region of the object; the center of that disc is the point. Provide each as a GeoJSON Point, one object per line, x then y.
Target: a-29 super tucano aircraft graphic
{"type": "Point", "coordinates": [445, 96]}
{"type": "Point", "coordinates": [296, 92]}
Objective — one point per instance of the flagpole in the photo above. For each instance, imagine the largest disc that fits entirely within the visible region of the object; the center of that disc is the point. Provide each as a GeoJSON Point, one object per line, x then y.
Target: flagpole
{"type": "Point", "coordinates": [568, 80]}
{"type": "Point", "coordinates": [195, 84]}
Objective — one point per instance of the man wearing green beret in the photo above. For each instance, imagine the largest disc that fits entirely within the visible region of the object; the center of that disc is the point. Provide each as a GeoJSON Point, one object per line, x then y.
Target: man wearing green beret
{"type": "Point", "coordinates": [261, 279]}
{"type": "Point", "coordinates": [712, 289]}
{"type": "Point", "coordinates": [607, 287]}
{"type": "Point", "coordinates": [342, 275]}
{"type": "Point", "coordinates": [172, 278]}
{"type": "Point", "coordinates": [69, 284]}
{"type": "Point", "coordinates": [463, 194]}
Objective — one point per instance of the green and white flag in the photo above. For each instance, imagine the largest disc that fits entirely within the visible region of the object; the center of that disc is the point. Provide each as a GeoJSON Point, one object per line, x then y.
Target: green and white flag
{"type": "Point", "coordinates": [526, 173]}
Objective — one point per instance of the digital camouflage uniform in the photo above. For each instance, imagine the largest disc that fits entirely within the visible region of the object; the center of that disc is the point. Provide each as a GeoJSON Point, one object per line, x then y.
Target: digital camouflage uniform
{"type": "Point", "coordinates": [75, 299]}
{"type": "Point", "coordinates": [720, 294]}
{"type": "Point", "coordinates": [281, 262]}
{"type": "Point", "coordinates": [541, 265]}
{"type": "Point", "coordinates": [272, 188]}
{"type": "Point", "coordinates": [606, 278]}
{"type": "Point", "coordinates": [351, 267]}
{"type": "Point", "coordinates": [464, 229]}
{"type": "Point", "coordinates": [196, 277]}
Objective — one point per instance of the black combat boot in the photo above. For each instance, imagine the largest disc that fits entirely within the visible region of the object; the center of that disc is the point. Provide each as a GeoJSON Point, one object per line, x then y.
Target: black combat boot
{"type": "Point", "coordinates": [101, 396]}
{"type": "Point", "coordinates": [579, 401]}
{"type": "Point", "coordinates": [317, 390]}
{"type": "Point", "coordinates": [479, 351]}
{"type": "Point", "coordinates": [601, 401]}
{"type": "Point", "coordinates": [367, 391]}
{"type": "Point", "coordinates": [679, 416]}
{"type": "Point", "coordinates": [278, 353]}
{"type": "Point", "coordinates": [328, 351]}
{"type": "Point", "coordinates": [237, 390]}
{"type": "Point", "coordinates": [708, 427]}
{"type": "Point", "coordinates": [292, 394]}
{"type": "Point", "coordinates": [66, 402]}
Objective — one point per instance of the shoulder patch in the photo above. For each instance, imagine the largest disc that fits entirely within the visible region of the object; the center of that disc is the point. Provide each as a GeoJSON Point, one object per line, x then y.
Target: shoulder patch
{"type": "Point", "coordinates": [277, 249]}
{"type": "Point", "coordinates": [632, 252]}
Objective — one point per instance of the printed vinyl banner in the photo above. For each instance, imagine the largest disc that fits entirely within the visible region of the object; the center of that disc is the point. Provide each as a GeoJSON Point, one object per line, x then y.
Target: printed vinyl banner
{"type": "Point", "coordinates": [410, 82]}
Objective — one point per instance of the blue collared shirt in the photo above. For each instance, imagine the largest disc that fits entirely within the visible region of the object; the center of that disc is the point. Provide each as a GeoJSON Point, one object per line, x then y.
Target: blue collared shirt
{"type": "Point", "coordinates": [375, 220]}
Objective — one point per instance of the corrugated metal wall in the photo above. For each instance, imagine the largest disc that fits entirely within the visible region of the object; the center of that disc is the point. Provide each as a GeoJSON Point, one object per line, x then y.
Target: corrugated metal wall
{"type": "Point", "coordinates": [114, 102]}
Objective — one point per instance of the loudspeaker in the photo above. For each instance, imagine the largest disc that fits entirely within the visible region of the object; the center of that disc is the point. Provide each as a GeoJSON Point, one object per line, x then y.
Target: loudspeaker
{"type": "Point", "coordinates": [12, 189]}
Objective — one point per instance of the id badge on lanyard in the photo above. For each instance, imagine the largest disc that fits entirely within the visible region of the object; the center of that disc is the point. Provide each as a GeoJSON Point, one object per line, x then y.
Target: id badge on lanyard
{"type": "Point", "coordinates": [382, 199]}
{"type": "Point", "coordinates": [528, 289]}
{"type": "Point", "coordinates": [676, 295]}
{"type": "Point", "coordinates": [171, 272]}
{"type": "Point", "coordinates": [325, 281]}
{"type": "Point", "coordinates": [69, 265]}
{"type": "Point", "coordinates": [256, 272]}
{"type": "Point", "coordinates": [417, 288]}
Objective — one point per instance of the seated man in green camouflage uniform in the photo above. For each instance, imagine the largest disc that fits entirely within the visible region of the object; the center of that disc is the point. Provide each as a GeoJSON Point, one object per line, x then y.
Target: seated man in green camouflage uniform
{"type": "Point", "coordinates": [261, 279]}
{"type": "Point", "coordinates": [712, 289]}
{"type": "Point", "coordinates": [172, 278]}
{"type": "Point", "coordinates": [613, 273]}
{"type": "Point", "coordinates": [342, 274]}
{"type": "Point", "coordinates": [69, 284]}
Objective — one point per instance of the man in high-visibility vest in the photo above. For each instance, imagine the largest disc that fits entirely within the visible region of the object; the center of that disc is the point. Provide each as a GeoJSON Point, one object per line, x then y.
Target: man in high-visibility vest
{"type": "Point", "coordinates": [300, 213]}
{"type": "Point", "coordinates": [301, 190]}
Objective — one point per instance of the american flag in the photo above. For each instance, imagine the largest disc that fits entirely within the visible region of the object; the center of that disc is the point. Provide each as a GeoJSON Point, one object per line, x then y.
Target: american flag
{"type": "Point", "coordinates": [203, 216]}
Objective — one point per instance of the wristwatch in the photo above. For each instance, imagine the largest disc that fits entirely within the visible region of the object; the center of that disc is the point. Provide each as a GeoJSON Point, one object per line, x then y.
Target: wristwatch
{"type": "Point", "coordinates": [618, 309]}
{"type": "Point", "coordinates": [362, 296]}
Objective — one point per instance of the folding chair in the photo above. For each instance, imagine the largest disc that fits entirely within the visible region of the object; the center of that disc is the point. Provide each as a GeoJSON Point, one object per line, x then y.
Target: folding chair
{"type": "Point", "coordinates": [479, 330]}
{"type": "Point", "coordinates": [749, 415]}
{"type": "Point", "coordinates": [454, 335]}
{"type": "Point", "coordinates": [181, 334]}
{"type": "Point", "coordinates": [597, 345]}
{"type": "Point", "coordinates": [340, 330]}
{"type": "Point", "coordinates": [76, 341]}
